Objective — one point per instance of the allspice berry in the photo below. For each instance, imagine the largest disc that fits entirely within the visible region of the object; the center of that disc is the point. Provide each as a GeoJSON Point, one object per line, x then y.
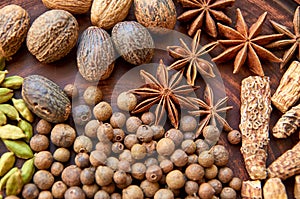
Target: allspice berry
{"type": "Point", "coordinates": [112, 162]}
{"type": "Point", "coordinates": [116, 196]}
{"type": "Point", "coordinates": [234, 137]}
{"type": "Point", "coordinates": [188, 146]}
{"type": "Point", "coordinates": [87, 176]}
{"type": "Point", "coordinates": [101, 195]}
{"type": "Point", "coordinates": [166, 165]}
{"type": "Point", "coordinates": [191, 187]}
{"type": "Point", "coordinates": [83, 144]}
{"type": "Point", "coordinates": [144, 133]}
{"type": "Point", "coordinates": [71, 175]}
{"type": "Point", "coordinates": [119, 135]}
{"type": "Point", "coordinates": [175, 135]}
{"type": "Point", "coordinates": [45, 195]}
{"type": "Point", "coordinates": [188, 123]}
{"type": "Point", "coordinates": [30, 191]}
{"type": "Point", "coordinates": [57, 168]}
{"type": "Point", "coordinates": [165, 147]}
{"type": "Point", "coordinates": [130, 140]}
{"type": "Point", "coordinates": [117, 147]}
{"type": "Point", "coordinates": [120, 177]}
{"type": "Point", "coordinates": [63, 135]}
{"type": "Point", "coordinates": [127, 156]}
{"type": "Point", "coordinates": [104, 175]}
{"type": "Point", "coordinates": [158, 131]}
{"type": "Point", "coordinates": [201, 145]}
{"type": "Point", "coordinates": [194, 172]}
{"type": "Point", "coordinates": [105, 132]}
{"type": "Point", "coordinates": [124, 165]}
{"type": "Point", "coordinates": [211, 134]}
{"type": "Point", "coordinates": [179, 158]}
{"type": "Point", "coordinates": [102, 111]}
{"type": "Point", "coordinates": [62, 154]}
{"type": "Point", "coordinates": [92, 95]}
{"type": "Point", "coordinates": [221, 155]}
{"type": "Point", "coordinates": [149, 188]}
{"type": "Point", "coordinates": [211, 172]}
{"type": "Point", "coordinates": [164, 194]}
{"type": "Point", "coordinates": [154, 173]}
{"type": "Point", "coordinates": [227, 193]}
{"type": "Point", "coordinates": [138, 171]}
{"type": "Point", "coordinates": [97, 158]}
{"type": "Point", "coordinates": [109, 188]}
{"type": "Point", "coordinates": [43, 127]}
{"type": "Point", "coordinates": [225, 174]}
{"type": "Point", "coordinates": [105, 147]}
{"type": "Point", "coordinates": [126, 101]}
{"type": "Point", "coordinates": [58, 189]}
{"type": "Point", "coordinates": [132, 192]}
{"type": "Point", "coordinates": [90, 190]}
{"type": "Point", "coordinates": [82, 160]}
{"type": "Point", "coordinates": [217, 185]}
{"type": "Point", "coordinates": [117, 120]}
{"type": "Point", "coordinates": [39, 142]}
{"type": "Point", "coordinates": [236, 183]}
{"type": "Point", "coordinates": [151, 161]}
{"type": "Point", "coordinates": [132, 124]}
{"type": "Point", "coordinates": [148, 118]}
{"type": "Point", "coordinates": [74, 192]}
{"type": "Point", "coordinates": [71, 90]}
{"type": "Point", "coordinates": [91, 127]}
{"type": "Point", "coordinates": [138, 151]}
{"type": "Point", "coordinates": [206, 191]}
{"type": "Point", "coordinates": [206, 159]}
{"type": "Point", "coordinates": [43, 179]}
{"type": "Point", "coordinates": [43, 160]}
{"type": "Point", "coordinates": [81, 114]}
{"type": "Point", "coordinates": [175, 179]}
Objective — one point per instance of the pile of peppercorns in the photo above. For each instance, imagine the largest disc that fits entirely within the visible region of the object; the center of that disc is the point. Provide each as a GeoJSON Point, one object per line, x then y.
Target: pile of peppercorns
{"type": "Point", "coordinates": [131, 158]}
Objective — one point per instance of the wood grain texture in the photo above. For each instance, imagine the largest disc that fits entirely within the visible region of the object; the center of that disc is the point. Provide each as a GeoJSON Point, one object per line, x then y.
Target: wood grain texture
{"type": "Point", "coordinates": [65, 70]}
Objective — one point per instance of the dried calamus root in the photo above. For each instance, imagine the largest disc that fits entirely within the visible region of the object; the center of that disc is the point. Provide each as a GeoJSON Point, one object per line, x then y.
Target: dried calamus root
{"type": "Point", "coordinates": [255, 116]}
{"type": "Point", "coordinates": [251, 189]}
{"type": "Point", "coordinates": [297, 187]}
{"type": "Point", "coordinates": [288, 91]}
{"type": "Point", "coordinates": [288, 123]}
{"type": "Point", "coordinates": [274, 188]}
{"type": "Point", "coordinates": [287, 165]}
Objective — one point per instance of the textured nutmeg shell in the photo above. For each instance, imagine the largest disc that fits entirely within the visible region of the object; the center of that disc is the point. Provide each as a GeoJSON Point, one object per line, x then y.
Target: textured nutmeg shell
{"type": "Point", "coordinates": [95, 54]}
{"type": "Point", "coordinates": [52, 35]}
{"type": "Point", "coordinates": [72, 6]}
{"type": "Point", "coordinates": [46, 99]}
{"type": "Point", "coordinates": [14, 25]}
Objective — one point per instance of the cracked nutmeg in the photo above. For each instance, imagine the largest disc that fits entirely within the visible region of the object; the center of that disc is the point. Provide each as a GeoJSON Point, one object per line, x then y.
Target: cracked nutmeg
{"type": "Point", "coordinates": [246, 45]}
{"type": "Point", "coordinates": [204, 13]}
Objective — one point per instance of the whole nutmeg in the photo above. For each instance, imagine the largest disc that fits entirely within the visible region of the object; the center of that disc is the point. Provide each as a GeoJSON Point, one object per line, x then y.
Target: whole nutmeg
{"type": "Point", "coordinates": [132, 124]}
{"type": "Point", "coordinates": [87, 176]}
{"type": "Point", "coordinates": [74, 192]}
{"type": "Point", "coordinates": [221, 155]}
{"type": "Point", "coordinates": [52, 35]}
{"type": "Point", "coordinates": [165, 147]}
{"type": "Point", "coordinates": [144, 133]}
{"type": "Point", "coordinates": [92, 95]}
{"type": "Point", "coordinates": [179, 158]}
{"type": "Point", "coordinates": [91, 127]}
{"type": "Point", "coordinates": [132, 192]}
{"type": "Point", "coordinates": [82, 114]}
{"type": "Point", "coordinates": [158, 131]}
{"type": "Point", "coordinates": [126, 101]}
{"type": "Point", "coordinates": [148, 118]}
{"type": "Point", "coordinates": [175, 135]}
{"type": "Point", "coordinates": [236, 183]}
{"type": "Point", "coordinates": [138, 151]}
{"type": "Point", "coordinates": [30, 191]}
{"type": "Point", "coordinates": [102, 111]}
{"type": "Point", "coordinates": [43, 127]}
{"type": "Point", "coordinates": [71, 90]}
{"type": "Point", "coordinates": [154, 173]}
{"type": "Point", "coordinates": [57, 168]}
{"type": "Point", "coordinates": [164, 194]}
{"type": "Point", "coordinates": [194, 172]}
{"type": "Point", "coordinates": [43, 179]}
{"type": "Point", "coordinates": [105, 132]}
{"type": "Point", "coordinates": [90, 190]}
{"type": "Point", "coordinates": [234, 137]}
{"type": "Point", "coordinates": [58, 189]}
{"type": "Point", "coordinates": [73, 6]}
{"type": "Point", "coordinates": [97, 158]}
{"type": "Point", "coordinates": [225, 174]}
{"type": "Point", "coordinates": [217, 185]}
{"type": "Point", "coordinates": [101, 194]}
{"type": "Point", "coordinates": [149, 188]}
{"type": "Point", "coordinates": [43, 160]}
{"type": "Point", "coordinates": [104, 175]}
{"type": "Point", "coordinates": [83, 144]}
{"type": "Point", "coordinates": [117, 120]}
{"type": "Point", "coordinates": [188, 123]}
{"type": "Point", "coordinates": [138, 170]}
{"type": "Point", "coordinates": [71, 175]}
{"type": "Point", "coordinates": [175, 179]}
{"type": "Point", "coordinates": [62, 154]}
{"type": "Point", "coordinates": [206, 191]}
{"type": "Point", "coordinates": [228, 193]}
{"type": "Point", "coordinates": [191, 187]}
{"type": "Point", "coordinates": [82, 160]}
{"type": "Point", "coordinates": [95, 56]}
{"type": "Point", "coordinates": [39, 142]}
{"type": "Point", "coordinates": [63, 135]}
{"type": "Point", "coordinates": [206, 159]}
{"type": "Point", "coordinates": [133, 42]}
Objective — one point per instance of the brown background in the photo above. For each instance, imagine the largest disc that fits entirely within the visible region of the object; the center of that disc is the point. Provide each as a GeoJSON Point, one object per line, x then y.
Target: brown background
{"type": "Point", "coordinates": [65, 70]}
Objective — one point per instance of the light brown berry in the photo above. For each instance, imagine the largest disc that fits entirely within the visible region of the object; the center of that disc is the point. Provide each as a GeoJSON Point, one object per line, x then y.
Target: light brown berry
{"type": "Point", "coordinates": [191, 187]}
{"type": "Point", "coordinates": [234, 137]}
{"type": "Point", "coordinates": [119, 135]}
{"type": "Point", "coordinates": [112, 162]}
{"type": "Point", "coordinates": [221, 155]}
{"type": "Point", "coordinates": [151, 161]}
{"type": "Point", "coordinates": [30, 191]}
{"type": "Point", "coordinates": [201, 145]}
{"type": "Point", "coordinates": [91, 127]}
{"type": "Point", "coordinates": [109, 188]}
{"type": "Point", "coordinates": [138, 151]}
{"type": "Point", "coordinates": [117, 147]}
{"type": "Point", "coordinates": [63, 135]}
{"type": "Point", "coordinates": [58, 189]}
{"type": "Point", "coordinates": [188, 123]}
{"type": "Point", "coordinates": [39, 143]}
{"type": "Point", "coordinates": [189, 136]}
{"type": "Point", "coordinates": [211, 134]}
{"type": "Point", "coordinates": [92, 95]}
{"type": "Point", "coordinates": [62, 154]}
{"type": "Point", "coordinates": [45, 195]}
{"type": "Point", "coordinates": [43, 179]}
{"type": "Point", "coordinates": [130, 140]}
{"type": "Point", "coordinates": [179, 158]}
{"type": "Point", "coordinates": [83, 144]}
{"type": "Point", "coordinates": [57, 168]}
{"type": "Point", "coordinates": [206, 191]}
{"type": "Point", "coordinates": [104, 175]}
{"type": "Point", "coordinates": [71, 90]}
{"type": "Point", "coordinates": [228, 193]}
{"type": "Point", "coordinates": [118, 120]}
{"type": "Point", "coordinates": [82, 160]}
{"type": "Point", "coordinates": [74, 193]}
{"type": "Point", "coordinates": [153, 173]}
{"type": "Point", "coordinates": [43, 160]}
{"type": "Point", "coordinates": [97, 158]}
{"type": "Point", "coordinates": [149, 188]}
{"type": "Point", "coordinates": [71, 175]}
{"type": "Point", "coordinates": [87, 176]}
{"type": "Point", "coordinates": [217, 185]}
{"type": "Point", "coordinates": [211, 172]}
{"type": "Point", "coordinates": [206, 159]}
{"type": "Point", "coordinates": [101, 195]}
{"type": "Point", "coordinates": [188, 146]}
{"type": "Point", "coordinates": [138, 171]}
{"type": "Point", "coordinates": [105, 132]}
{"type": "Point", "coordinates": [127, 156]}
{"type": "Point", "coordinates": [175, 179]}
{"type": "Point", "coordinates": [175, 135]}
{"type": "Point", "coordinates": [43, 127]}
{"type": "Point", "coordinates": [148, 118]}
{"type": "Point", "coordinates": [236, 183]}
{"type": "Point", "coordinates": [166, 165]}
{"type": "Point", "coordinates": [126, 101]}
{"type": "Point", "coordinates": [158, 131]}
{"type": "Point", "coordinates": [144, 133]}
{"type": "Point", "coordinates": [82, 114]}
{"type": "Point", "coordinates": [132, 192]}
{"type": "Point", "coordinates": [124, 165]}
{"type": "Point", "coordinates": [102, 111]}
{"type": "Point", "coordinates": [164, 194]}
{"type": "Point", "coordinates": [165, 147]}
{"type": "Point", "coordinates": [132, 124]}
{"type": "Point", "coordinates": [90, 190]}
{"type": "Point", "coordinates": [225, 175]}
{"type": "Point", "coordinates": [194, 172]}
{"type": "Point", "coordinates": [116, 196]}
{"type": "Point", "coordinates": [192, 159]}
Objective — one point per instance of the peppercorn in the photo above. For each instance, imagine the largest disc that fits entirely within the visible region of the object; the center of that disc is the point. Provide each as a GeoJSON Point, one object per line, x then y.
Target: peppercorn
{"type": "Point", "coordinates": [43, 179]}
{"type": "Point", "coordinates": [225, 174]}
{"type": "Point", "coordinates": [175, 179]}
{"type": "Point", "coordinates": [82, 160]}
{"type": "Point", "coordinates": [211, 134]}
{"type": "Point", "coordinates": [189, 136]}
{"type": "Point", "coordinates": [188, 123]}
{"type": "Point", "coordinates": [175, 135]}
{"type": "Point", "coordinates": [102, 111]}
{"type": "Point", "coordinates": [97, 158]}
{"type": "Point", "coordinates": [188, 146]}
{"type": "Point", "coordinates": [151, 161]}
{"type": "Point", "coordinates": [81, 114]}
{"type": "Point", "coordinates": [92, 95]}
{"type": "Point", "coordinates": [149, 188]}
{"type": "Point", "coordinates": [191, 187]}
{"type": "Point", "coordinates": [117, 147]}
{"type": "Point", "coordinates": [124, 165]}
{"type": "Point", "coordinates": [87, 176]}
{"type": "Point", "coordinates": [120, 177]}
{"type": "Point", "coordinates": [104, 175]}
{"type": "Point", "coordinates": [132, 192]}
{"type": "Point", "coordinates": [234, 137]}
{"type": "Point", "coordinates": [118, 120]}
{"type": "Point", "coordinates": [201, 145]}
{"type": "Point", "coordinates": [206, 159]}
{"type": "Point", "coordinates": [221, 155]}
{"type": "Point", "coordinates": [151, 147]}
{"type": "Point", "coordinates": [30, 191]}
{"type": "Point", "coordinates": [43, 160]}
{"type": "Point", "coordinates": [211, 172]}
{"type": "Point", "coordinates": [61, 155]}
{"type": "Point", "coordinates": [109, 188]}
{"type": "Point", "coordinates": [90, 190]}
{"type": "Point", "coordinates": [125, 185]}
{"type": "Point", "coordinates": [126, 155]}
{"type": "Point", "coordinates": [227, 193]}
{"type": "Point", "coordinates": [192, 159]}
{"type": "Point", "coordinates": [194, 172]}
{"type": "Point", "coordinates": [179, 158]}
{"type": "Point", "coordinates": [105, 147]}
{"type": "Point", "coordinates": [101, 195]}
{"type": "Point", "coordinates": [43, 127]}
{"type": "Point", "coordinates": [144, 133]}
{"type": "Point", "coordinates": [138, 151]}
{"type": "Point", "coordinates": [45, 195]}
{"type": "Point", "coordinates": [74, 193]}
{"type": "Point", "coordinates": [83, 144]}
{"type": "Point", "coordinates": [71, 90]}
{"type": "Point", "coordinates": [164, 194]}
{"type": "Point", "coordinates": [153, 173]}
{"type": "Point", "coordinates": [71, 175]}
{"type": "Point", "coordinates": [130, 140]}
{"type": "Point", "coordinates": [63, 135]}
{"type": "Point", "coordinates": [58, 189]}
{"type": "Point", "coordinates": [57, 168]}
{"type": "Point", "coordinates": [112, 162]}
{"type": "Point", "coordinates": [206, 191]}
{"type": "Point", "coordinates": [105, 132]}
{"type": "Point", "coordinates": [39, 142]}
{"type": "Point", "coordinates": [158, 131]}
{"type": "Point", "coordinates": [138, 171]}
{"type": "Point", "coordinates": [91, 127]}
{"type": "Point", "coordinates": [116, 196]}
{"type": "Point", "coordinates": [132, 124]}
{"type": "Point", "coordinates": [166, 165]}
{"type": "Point", "coordinates": [165, 147]}
{"type": "Point", "coordinates": [119, 135]}
{"type": "Point", "coordinates": [236, 183]}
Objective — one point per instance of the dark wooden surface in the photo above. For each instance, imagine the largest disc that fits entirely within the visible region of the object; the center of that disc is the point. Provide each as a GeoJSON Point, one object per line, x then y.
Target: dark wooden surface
{"type": "Point", "coordinates": [65, 70]}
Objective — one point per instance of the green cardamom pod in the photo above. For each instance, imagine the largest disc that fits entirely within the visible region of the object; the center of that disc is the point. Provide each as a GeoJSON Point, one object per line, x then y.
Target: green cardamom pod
{"type": "Point", "coordinates": [14, 184]}
{"type": "Point", "coordinates": [5, 94]}
{"type": "Point", "coordinates": [12, 132]}
{"type": "Point", "coordinates": [10, 111]}
{"type": "Point", "coordinates": [12, 82]}
{"type": "Point", "coordinates": [27, 129]}
{"type": "Point", "coordinates": [3, 75]}
{"type": "Point", "coordinates": [3, 119]}
{"type": "Point", "coordinates": [20, 105]}
{"type": "Point", "coordinates": [20, 148]}
{"type": "Point", "coordinates": [6, 176]}
{"type": "Point", "coordinates": [27, 170]}
{"type": "Point", "coordinates": [7, 161]}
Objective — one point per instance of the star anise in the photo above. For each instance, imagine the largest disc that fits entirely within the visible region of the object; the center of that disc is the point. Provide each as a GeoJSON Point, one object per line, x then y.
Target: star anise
{"type": "Point", "coordinates": [166, 91]}
{"type": "Point", "coordinates": [245, 45]}
{"type": "Point", "coordinates": [205, 12]}
{"type": "Point", "coordinates": [214, 111]}
{"type": "Point", "coordinates": [294, 39]}
{"type": "Point", "coordinates": [192, 55]}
